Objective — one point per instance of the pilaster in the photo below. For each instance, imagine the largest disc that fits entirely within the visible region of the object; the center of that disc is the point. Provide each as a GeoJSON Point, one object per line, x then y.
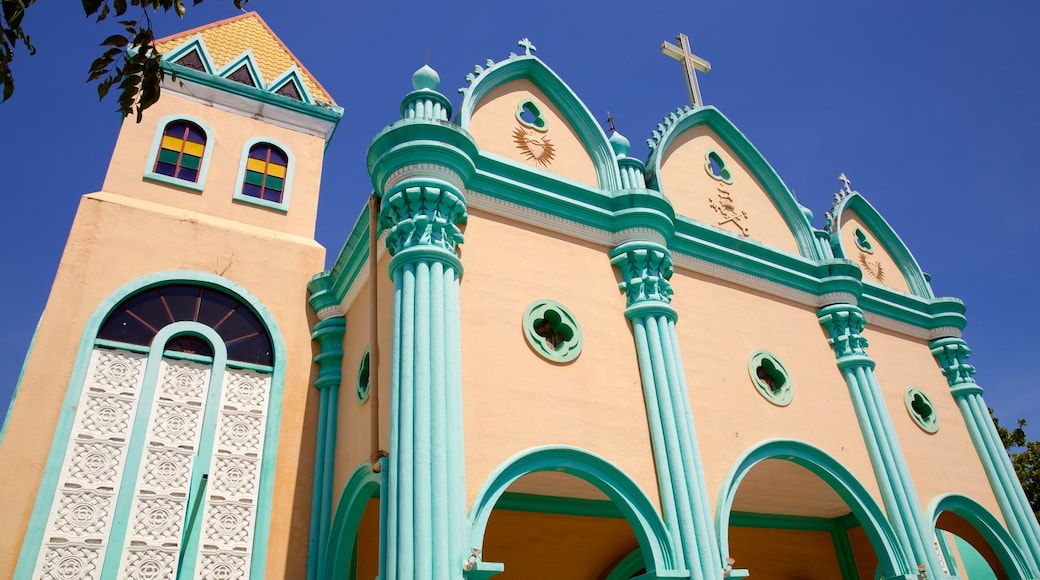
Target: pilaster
{"type": "Point", "coordinates": [645, 269]}
{"type": "Point", "coordinates": [844, 324]}
{"type": "Point", "coordinates": [952, 355]}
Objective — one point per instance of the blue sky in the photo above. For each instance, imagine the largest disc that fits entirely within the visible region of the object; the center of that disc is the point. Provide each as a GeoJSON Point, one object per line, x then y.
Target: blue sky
{"type": "Point", "coordinates": [929, 107]}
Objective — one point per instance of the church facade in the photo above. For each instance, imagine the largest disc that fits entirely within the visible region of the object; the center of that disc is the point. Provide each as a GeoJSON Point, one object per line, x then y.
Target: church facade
{"type": "Point", "coordinates": [534, 357]}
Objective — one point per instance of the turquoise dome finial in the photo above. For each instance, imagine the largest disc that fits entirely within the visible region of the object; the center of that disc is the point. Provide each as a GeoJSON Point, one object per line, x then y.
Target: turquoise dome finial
{"type": "Point", "coordinates": [426, 78]}
{"type": "Point", "coordinates": [619, 144]}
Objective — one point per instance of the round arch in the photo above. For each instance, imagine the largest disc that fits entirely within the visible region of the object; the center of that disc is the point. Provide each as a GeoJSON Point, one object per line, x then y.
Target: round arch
{"type": "Point", "coordinates": [891, 560]}
{"type": "Point", "coordinates": [1007, 551]}
{"type": "Point", "coordinates": [363, 485]}
{"type": "Point", "coordinates": [654, 542]}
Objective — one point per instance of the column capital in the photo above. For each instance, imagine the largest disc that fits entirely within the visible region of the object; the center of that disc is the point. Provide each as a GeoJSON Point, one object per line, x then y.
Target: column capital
{"type": "Point", "coordinates": [952, 355]}
{"type": "Point", "coordinates": [329, 335]}
{"type": "Point", "coordinates": [645, 269]}
{"type": "Point", "coordinates": [422, 220]}
{"type": "Point", "coordinates": [844, 324]}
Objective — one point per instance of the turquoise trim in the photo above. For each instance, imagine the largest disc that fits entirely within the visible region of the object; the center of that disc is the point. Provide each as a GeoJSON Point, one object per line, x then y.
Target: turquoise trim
{"type": "Point", "coordinates": [531, 68]}
{"type": "Point", "coordinates": [886, 236]}
{"type": "Point", "coordinates": [713, 160]}
{"type": "Point", "coordinates": [195, 43]}
{"type": "Point", "coordinates": [364, 379]}
{"type": "Point", "coordinates": [627, 567]}
{"type": "Point", "coordinates": [921, 409]}
{"type": "Point", "coordinates": [18, 383]}
{"type": "Point", "coordinates": [783, 391]}
{"type": "Point", "coordinates": [207, 153]}
{"type": "Point", "coordinates": [324, 112]}
{"type": "Point", "coordinates": [419, 141]}
{"type": "Point", "coordinates": [292, 76]}
{"type": "Point", "coordinates": [654, 540]}
{"type": "Point", "coordinates": [48, 485]}
{"type": "Point", "coordinates": [561, 322]}
{"type": "Point", "coordinates": [121, 345]}
{"type": "Point", "coordinates": [764, 174]}
{"type": "Point", "coordinates": [563, 506]}
{"type": "Point", "coordinates": [1014, 560]}
{"type": "Point", "coordinates": [975, 564]}
{"type": "Point", "coordinates": [363, 485]}
{"type": "Point", "coordinates": [237, 195]}
{"type": "Point", "coordinates": [882, 536]}
{"type": "Point", "coordinates": [249, 61]}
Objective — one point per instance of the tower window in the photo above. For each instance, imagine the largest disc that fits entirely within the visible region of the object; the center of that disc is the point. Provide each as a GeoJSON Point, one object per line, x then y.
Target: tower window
{"type": "Point", "coordinates": [265, 173]}
{"type": "Point", "coordinates": [181, 150]}
{"type": "Point", "coordinates": [289, 90]}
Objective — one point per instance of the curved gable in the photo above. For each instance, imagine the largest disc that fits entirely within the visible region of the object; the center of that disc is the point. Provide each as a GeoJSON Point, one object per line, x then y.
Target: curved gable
{"type": "Point", "coordinates": [521, 110]}
{"type": "Point", "coordinates": [711, 173]}
{"type": "Point", "coordinates": [860, 234]}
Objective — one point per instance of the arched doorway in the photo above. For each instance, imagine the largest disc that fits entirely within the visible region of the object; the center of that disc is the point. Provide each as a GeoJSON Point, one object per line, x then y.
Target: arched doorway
{"type": "Point", "coordinates": [980, 547]}
{"type": "Point", "coordinates": [562, 512]}
{"type": "Point", "coordinates": [789, 510]}
{"type": "Point", "coordinates": [356, 537]}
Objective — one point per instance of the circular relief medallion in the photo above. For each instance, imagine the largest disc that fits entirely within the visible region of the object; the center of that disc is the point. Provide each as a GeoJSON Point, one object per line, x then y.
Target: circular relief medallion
{"type": "Point", "coordinates": [552, 331]}
{"type": "Point", "coordinates": [82, 514]}
{"type": "Point", "coordinates": [69, 567]}
{"type": "Point", "coordinates": [223, 572]}
{"type": "Point", "coordinates": [150, 569]}
{"type": "Point", "coordinates": [921, 410]}
{"type": "Point", "coordinates": [770, 378]}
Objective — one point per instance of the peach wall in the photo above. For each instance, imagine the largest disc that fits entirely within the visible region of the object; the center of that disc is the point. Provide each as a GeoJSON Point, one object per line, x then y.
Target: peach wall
{"type": "Point", "coordinates": [513, 399]}
{"type": "Point", "coordinates": [770, 554]}
{"type": "Point", "coordinates": [494, 121]}
{"type": "Point", "coordinates": [720, 325]}
{"type": "Point", "coordinates": [368, 543]}
{"type": "Point", "coordinates": [943, 462]}
{"type": "Point", "coordinates": [115, 240]}
{"type": "Point", "coordinates": [691, 189]}
{"type": "Point", "coordinates": [862, 552]}
{"type": "Point", "coordinates": [229, 134]}
{"type": "Point", "coordinates": [879, 267]}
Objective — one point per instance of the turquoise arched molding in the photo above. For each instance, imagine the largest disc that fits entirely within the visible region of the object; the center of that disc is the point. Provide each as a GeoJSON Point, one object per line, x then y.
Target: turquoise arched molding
{"type": "Point", "coordinates": [654, 541]}
{"type": "Point", "coordinates": [998, 538]}
{"type": "Point", "coordinates": [363, 485]}
{"type": "Point", "coordinates": [574, 111]}
{"type": "Point", "coordinates": [627, 567]}
{"type": "Point", "coordinates": [886, 236]}
{"type": "Point", "coordinates": [249, 61]}
{"type": "Point", "coordinates": [686, 119]}
{"type": "Point", "coordinates": [195, 43]}
{"type": "Point", "coordinates": [893, 562]}
{"type": "Point", "coordinates": [52, 469]}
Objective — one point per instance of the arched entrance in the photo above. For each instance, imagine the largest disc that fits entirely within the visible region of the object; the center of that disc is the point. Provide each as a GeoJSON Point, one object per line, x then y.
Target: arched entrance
{"type": "Point", "coordinates": [562, 512]}
{"type": "Point", "coordinates": [356, 537]}
{"type": "Point", "coordinates": [789, 510]}
{"type": "Point", "coordinates": [983, 548]}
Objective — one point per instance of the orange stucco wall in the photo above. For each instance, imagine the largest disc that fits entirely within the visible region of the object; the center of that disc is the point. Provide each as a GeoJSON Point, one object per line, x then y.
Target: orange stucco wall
{"type": "Point", "coordinates": [770, 554]}
{"type": "Point", "coordinates": [878, 265]}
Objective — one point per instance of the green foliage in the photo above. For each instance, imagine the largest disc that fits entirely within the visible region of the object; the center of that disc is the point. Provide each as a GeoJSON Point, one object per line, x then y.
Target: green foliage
{"type": "Point", "coordinates": [1026, 460]}
{"type": "Point", "coordinates": [129, 61]}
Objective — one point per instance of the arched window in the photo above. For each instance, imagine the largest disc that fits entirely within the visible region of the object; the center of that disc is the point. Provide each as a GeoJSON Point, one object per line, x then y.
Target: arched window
{"type": "Point", "coordinates": [266, 169]}
{"type": "Point", "coordinates": [181, 151]}
{"type": "Point", "coordinates": [161, 476]}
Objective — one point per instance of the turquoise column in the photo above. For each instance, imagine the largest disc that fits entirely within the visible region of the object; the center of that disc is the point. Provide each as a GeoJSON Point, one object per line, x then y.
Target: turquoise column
{"type": "Point", "coordinates": [329, 335]}
{"type": "Point", "coordinates": [952, 355]}
{"type": "Point", "coordinates": [645, 268]}
{"type": "Point", "coordinates": [844, 324]}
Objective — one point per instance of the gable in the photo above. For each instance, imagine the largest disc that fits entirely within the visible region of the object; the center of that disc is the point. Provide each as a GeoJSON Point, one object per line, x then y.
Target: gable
{"type": "Point", "coordinates": [861, 245]}
{"type": "Point", "coordinates": [519, 122]}
{"type": "Point", "coordinates": [708, 182]}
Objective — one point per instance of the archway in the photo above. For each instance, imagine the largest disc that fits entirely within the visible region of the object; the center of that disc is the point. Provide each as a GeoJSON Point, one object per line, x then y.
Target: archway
{"type": "Point", "coordinates": [984, 549]}
{"type": "Point", "coordinates": [356, 537]}
{"type": "Point", "coordinates": [789, 510]}
{"type": "Point", "coordinates": [558, 490]}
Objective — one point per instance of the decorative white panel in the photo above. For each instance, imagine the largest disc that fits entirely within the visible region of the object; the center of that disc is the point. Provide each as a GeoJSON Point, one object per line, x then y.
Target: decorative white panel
{"type": "Point", "coordinates": [229, 518]}
{"type": "Point", "coordinates": [76, 536]}
{"type": "Point", "coordinates": [156, 524]}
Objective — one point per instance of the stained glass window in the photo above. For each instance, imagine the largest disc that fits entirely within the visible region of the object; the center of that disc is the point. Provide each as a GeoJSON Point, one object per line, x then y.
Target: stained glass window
{"type": "Point", "coordinates": [289, 90]}
{"type": "Point", "coordinates": [180, 153]}
{"type": "Point", "coordinates": [241, 75]}
{"type": "Point", "coordinates": [140, 317]}
{"type": "Point", "coordinates": [265, 173]}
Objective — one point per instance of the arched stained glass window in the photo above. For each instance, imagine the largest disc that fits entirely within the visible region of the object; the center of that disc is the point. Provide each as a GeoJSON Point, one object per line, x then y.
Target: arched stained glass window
{"type": "Point", "coordinates": [265, 173]}
{"type": "Point", "coordinates": [180, 153]}
{"type": "Point", "coordinates": [137, 320]}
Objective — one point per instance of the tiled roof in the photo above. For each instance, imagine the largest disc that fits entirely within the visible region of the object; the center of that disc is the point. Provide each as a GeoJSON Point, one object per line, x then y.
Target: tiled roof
{"type": "Point", "coordinates": [227, 39]}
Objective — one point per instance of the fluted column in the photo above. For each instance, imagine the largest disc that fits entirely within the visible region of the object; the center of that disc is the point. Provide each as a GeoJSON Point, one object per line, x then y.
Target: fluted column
{"type": "Point", "coordinates": [844, 324]}
{"type": "Point", "coordinates": [645, 269]}
{"type": "Point", "coordinates": [952, 355]}
{"type": "Point", "coordinates": [426, 493]}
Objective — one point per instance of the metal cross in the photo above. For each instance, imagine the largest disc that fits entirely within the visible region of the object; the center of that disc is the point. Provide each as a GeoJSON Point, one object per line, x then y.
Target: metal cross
{"type": "Point", "coordinates": [846, 181]}
{"type": "Point", "coordinates": [690, 63]}
{"type": "Point", "coordinates": [528, 46]}
{"type": "Point", "coordinates": [610, 121]}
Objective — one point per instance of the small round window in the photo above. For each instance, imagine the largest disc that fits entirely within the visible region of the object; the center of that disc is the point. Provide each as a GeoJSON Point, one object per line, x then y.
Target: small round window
{"type": "Point", "coordinates": [362, 380]}
{"type": "Point", "coordinates": [552, 331]}
{"type": "Point", "coordinates": [921, 410]}
{"type": "Point", "coordinates": [770, 378]}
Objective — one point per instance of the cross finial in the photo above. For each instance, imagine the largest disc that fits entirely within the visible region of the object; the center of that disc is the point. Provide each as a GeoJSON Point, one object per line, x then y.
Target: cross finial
{"type": "Point", "coordinates": [610, 122]}
{"type": "Point", "coordinates": [846, 181]}
{"type": "Point", "coordinates": [528, 46]}
{"type": "Point", "coordinates": [690, 63]}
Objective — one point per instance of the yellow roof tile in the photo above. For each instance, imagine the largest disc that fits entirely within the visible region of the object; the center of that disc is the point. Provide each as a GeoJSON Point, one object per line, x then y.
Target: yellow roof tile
{"type": "Point", "coordinates": [227, 39]}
